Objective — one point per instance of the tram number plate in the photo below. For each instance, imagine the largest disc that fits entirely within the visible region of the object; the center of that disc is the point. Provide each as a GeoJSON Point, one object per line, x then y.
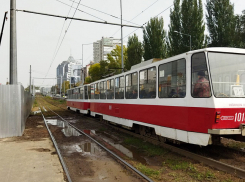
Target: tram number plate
{"type": "Point", "coordinates": [239, 117]}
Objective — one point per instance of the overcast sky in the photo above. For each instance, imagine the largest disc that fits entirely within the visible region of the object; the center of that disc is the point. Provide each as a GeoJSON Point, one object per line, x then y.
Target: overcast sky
{"type": "Point", "coordinates": [37, 36]}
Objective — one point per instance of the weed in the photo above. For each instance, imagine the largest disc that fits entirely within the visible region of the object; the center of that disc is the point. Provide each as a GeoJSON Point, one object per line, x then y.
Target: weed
{"type": "Point", "coordinates": [148, 171]}
{"type": "Point", "coordinates": [150, 149]}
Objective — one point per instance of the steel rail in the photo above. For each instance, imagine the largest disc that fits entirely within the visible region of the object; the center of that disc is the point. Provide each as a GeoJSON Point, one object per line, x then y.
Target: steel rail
{"type": "Point", "coordinates": [205, 160]}
{"type": "Point", "coordinates": [102, 146]}
{"type": "Point", "coordinates": [58, 151]}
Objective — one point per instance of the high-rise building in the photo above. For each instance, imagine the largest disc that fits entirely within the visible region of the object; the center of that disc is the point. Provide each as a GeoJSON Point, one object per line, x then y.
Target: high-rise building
{"type": "Point", "coordinates": [103, 47]}
{"type": "Point", "coordinates": [64, 71]}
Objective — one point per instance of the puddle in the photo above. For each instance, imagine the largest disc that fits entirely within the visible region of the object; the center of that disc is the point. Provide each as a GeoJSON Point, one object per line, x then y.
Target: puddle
{"type": "Point", "coordinates": [129, 152]}
{"type": "Point", "coordinates": [36, 112]}
{"type": "Point", "coordinates": [44, 109]}
{"type": "Point", "coordinates": [88, 148]}
{"type": "Point", "coordinates": [67, 129]}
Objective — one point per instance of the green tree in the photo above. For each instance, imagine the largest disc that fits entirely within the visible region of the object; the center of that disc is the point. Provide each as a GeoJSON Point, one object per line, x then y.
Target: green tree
{"type": "Point", "coordinates": [239, 35]}
{"type": "Point", "coordinates": [94, 72]}
{"type": "Point", "coordinates": [173, 43]}
{"type": "Point", "coordinates": [134, 52]}
{"type": "Point", "coordinates": [114, 58]}
{"type": "Point", "coordinates": [220, 22]}
{"type": "Point", "coordinates": [88, 80]}
{"type": "Point", "coordinates": [192, 24]}
{"type": "Point", "coordinates": [154, 42]}
{"type": "Point", "coordinates": [66, 86]}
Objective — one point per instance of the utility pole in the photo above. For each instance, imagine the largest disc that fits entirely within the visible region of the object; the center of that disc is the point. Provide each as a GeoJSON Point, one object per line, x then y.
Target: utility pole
{"type": "Point", "coordinates": [13, 44]}
{"type": "Point", "coordinates": [5, 18]}
{"type": "Point", "coordinates": [60, 85]}
{"type": "Point", "coordinates": [64, 88]}
{"type": "Point", "coordinates": [30, 80]}
{"type": "Point", "coordinates": [121, 38]}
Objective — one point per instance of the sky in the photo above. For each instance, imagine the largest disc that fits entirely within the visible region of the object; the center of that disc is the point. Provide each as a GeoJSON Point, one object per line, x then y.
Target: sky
{"type": "Point", "coordinates": [39, 38]}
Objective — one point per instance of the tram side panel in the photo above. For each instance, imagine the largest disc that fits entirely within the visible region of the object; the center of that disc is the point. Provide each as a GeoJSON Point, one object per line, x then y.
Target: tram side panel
{"type": "Point", "coordinates": [183, 118]}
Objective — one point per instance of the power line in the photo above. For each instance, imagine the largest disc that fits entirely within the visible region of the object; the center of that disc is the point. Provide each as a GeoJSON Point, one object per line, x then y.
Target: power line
{"type": "Point", "coordinates": [107, 14]}
{"type": "Point", "coordinates": [80, 10]}
{"type": "Point", "coordinates": [59, 40]}
{"type": "Point", "coordinates": [144, 10]}
{"type": "Point", "coordinates": [63, 38]}
{"type": "Point", "coordinates": [138, 14]}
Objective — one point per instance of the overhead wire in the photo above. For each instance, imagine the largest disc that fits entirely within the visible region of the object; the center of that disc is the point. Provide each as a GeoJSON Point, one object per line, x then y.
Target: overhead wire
{"type": "Point", "coordinates": [58, 40]}
{"type": "Point", "coordinates": [133, 19]}
{"type": "Point", "coordinates": [63, 37]}
{"type": "Point", "coordinates": [107, 14]}
{"type": "Point", "coordinates": [81, 10]}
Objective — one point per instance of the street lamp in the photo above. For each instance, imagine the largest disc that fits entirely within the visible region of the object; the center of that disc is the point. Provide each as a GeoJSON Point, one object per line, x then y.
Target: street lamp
{"type": "Point", "coordinates": [82, 63]}
{"type": "Point", "coordinates": [185, 34]}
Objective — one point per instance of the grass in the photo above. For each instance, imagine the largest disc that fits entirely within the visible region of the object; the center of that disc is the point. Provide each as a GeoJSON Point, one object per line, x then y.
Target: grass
{"type": "Point", "coordinates": [189, 169]}
{"type": "Point", "coordinates": [236, 145]}
{"type": "Point", "coordinates": [35, 103]}
{"type": "Point", "coordinates": [150, 149]}
{"type": "Point", "coordinates": [148, 171]}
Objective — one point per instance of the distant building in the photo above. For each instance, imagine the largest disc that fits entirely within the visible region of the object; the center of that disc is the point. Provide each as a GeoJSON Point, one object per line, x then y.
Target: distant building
{"type": "Point", "coordinates": [103, 47]}
{"type": "Point", "coordinates": [65, 71]}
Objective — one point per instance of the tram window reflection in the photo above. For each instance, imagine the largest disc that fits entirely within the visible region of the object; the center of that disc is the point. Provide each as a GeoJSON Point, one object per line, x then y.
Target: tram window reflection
{"type": "Point", "coordinates": [110, 89]}
{"type": "Point", "coordinates": [92, 91]}
{"type": "Point", "coordinates": [81, 93]}
{"type": "Point", "coordinates": [86, 92]}
{"type": "Point", "coordinates": [119, 87]}
{"type": "Point", "coordinates": [200, 79]}
{"type": "Point", "coordinates": [131, 86]}
{"type": "Point", "coordinates": [96, 91]}
{"type": "Point", "coordinates": [148, 83]}
{"type": "Point", "coordinates": [172, 79]}
{"type": "Point", "coordinates": [102, 90]}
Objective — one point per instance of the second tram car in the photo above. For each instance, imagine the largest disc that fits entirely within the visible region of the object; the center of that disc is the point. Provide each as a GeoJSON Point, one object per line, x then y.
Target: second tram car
{"type": "Point", "coordinates": [195, 97]}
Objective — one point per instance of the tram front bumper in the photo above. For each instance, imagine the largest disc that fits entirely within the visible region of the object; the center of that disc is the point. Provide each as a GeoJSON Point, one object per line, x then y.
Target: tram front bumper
{"type": "Point", "coordinates": [240, 131]}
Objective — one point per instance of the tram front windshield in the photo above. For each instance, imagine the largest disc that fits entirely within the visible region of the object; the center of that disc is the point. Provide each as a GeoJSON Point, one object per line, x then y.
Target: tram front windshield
{"type": "Point", "coordinates": [227, 74]}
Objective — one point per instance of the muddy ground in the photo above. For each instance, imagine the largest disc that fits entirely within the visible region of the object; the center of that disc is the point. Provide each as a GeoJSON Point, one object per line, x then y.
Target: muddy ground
{"type": "Point", "coordinates": [156, 162]}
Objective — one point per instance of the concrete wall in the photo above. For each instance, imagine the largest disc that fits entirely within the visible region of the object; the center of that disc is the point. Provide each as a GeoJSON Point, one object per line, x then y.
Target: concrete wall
{"type": "Point", "coordinates": [15, 107]}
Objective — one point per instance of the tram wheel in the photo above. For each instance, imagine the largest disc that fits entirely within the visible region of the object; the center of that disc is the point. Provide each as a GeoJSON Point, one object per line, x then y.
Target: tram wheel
{"type": "Point", "coordinates": [142, 130]}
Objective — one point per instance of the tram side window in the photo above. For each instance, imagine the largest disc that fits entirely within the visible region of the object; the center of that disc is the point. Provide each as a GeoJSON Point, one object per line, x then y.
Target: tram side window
{"type": "Point", "coordinates": [132, 86]}
{"type": "Point", "coordinates": [81, 93]}
{"type": "Point", "coordinates": [77, 90]}
{"type": "Point", "coordinates": [86, 92]}
{"type": "Point", "coordinates": [110, 89]}
{"type": "Point", "coordinates": [172, 79]}
{"type": "Point", "coordinates": [92, 91]}
{"type": "Point", "coordinates": [102, 90]}
{"type": "Point", "coordinates": [72, 94]}
{"type": "Point", "coordinates": [96, 91]}
{"type": "Point", "coordinates": [119, 87]}
{"type": "Point", "coordinates": [199, 76]}
{"type": "Point", "coordinates": [148, 83]}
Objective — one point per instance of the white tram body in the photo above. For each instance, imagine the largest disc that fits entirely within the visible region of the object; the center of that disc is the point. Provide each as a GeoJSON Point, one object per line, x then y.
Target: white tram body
{"type": "Point", "coordinates": [160, 96]}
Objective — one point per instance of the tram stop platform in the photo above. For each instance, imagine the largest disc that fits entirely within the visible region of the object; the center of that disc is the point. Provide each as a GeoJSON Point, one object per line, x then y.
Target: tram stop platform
{"type": "Point", "coordinates": [30, 157]}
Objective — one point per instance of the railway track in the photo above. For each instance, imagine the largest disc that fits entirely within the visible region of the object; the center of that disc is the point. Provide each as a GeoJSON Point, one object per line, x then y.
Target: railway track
{"type": "Point", "coordinates": [121, 161]}
{"type": "Point", "coordinates": [202, 159]}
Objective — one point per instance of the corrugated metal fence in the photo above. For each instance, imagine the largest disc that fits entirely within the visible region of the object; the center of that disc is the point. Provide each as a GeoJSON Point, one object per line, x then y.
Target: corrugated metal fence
{"type": "Point", "coordinates": [15, 107]}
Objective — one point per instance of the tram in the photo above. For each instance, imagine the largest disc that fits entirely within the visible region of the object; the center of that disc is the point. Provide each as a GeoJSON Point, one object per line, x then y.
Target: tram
{"type": "Point", "coordinates": [195, 97]}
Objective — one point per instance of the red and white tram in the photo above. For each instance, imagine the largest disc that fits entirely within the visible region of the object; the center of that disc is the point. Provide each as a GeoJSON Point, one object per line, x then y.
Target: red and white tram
{"type": "Point", "coordinates": [161, 96]}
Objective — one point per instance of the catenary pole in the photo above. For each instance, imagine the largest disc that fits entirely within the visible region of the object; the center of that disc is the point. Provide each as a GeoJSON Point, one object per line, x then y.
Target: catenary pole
{"type": "Point", "coordinates": [121, 37]}
{"type": "Point", "coordinates": [60, 85]}
{"type": "Point", "coordinates": [13, 44]}
{"type": "Point", "coordinates": [30, 80]}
